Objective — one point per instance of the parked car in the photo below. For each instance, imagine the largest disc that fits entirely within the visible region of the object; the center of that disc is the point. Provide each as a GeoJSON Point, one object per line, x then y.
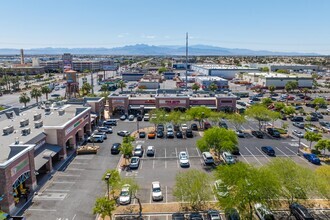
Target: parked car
{"type": "Point", "coordinates": [142, 134]}
{"type": "Point", "coordinates": [258, 134]}
{"type": "Point", "coordinates": [152, 135]}
{"type": "Point", "coordinates": [156, 189]}
{"type": "Point", "coordinates": [95, 139]}
{"type": "Point", "coordinates": [125, 195]}
{"type": "Point", "coordinates": [189, 133]}
{"type": "Point", "coordinates": [160, 134]}
{"type": "Point", "coordinates": [184, 127]}
{"type": "Point", "coordinates": [123, 117]}
{"type": "Point", "coordinates": [312, 158]}
{"type": "Point", "coordinates": [228, 158]}
{"type": "Point", "coordinates": [179, 134]}
{"type": "Point", "coordinates": [170, 134]}
{"type": "Point", "coordinates": [268, 150]}
{"type": "Point", "coordinates": [297, 119]}
{"type": "Point", "coordinates": [317, 115]}
{"type": "Point", "coordinates": [207, 125]}
{"type": "Point", "coordinates": [183, 158]}
{"type": "Point", "coordinates": [178, 216]}
{"type": "Point", "coordinates": [312, 118]}
{"type": "Point", "coordinates": [298, 125]}
{"type": "Point", "coordinates": [115, 148]}
{"type": "Point", "coordinates": [131, 117]}
{"type": "Point", "coordinates": [207, 158]}
{"type": "Point", "coordinates": [139, 117]}
{"type": "Point", "coordinates": [195, 216]}
{"type": "Point", "coordinates": [102, 134]}
{"type": "Point", "coordinates": [235, 151]}
{"type": "Point", "coordinates": [194, 127]}
{"type": "Point", "coordinates": [146, 117]}
{"type": "Point", "coordinates": [232, 214]}
{"type": "Point", "coordinates": [223, 124]}
{"type": "Point", "coordinates": [298, 107]}
{"type": "Point", "coordinates": [124, 133]}
{"type": "Point", "coordinates": [150, 151]}
{"type": "Point", "coordinates": [273, 132]}
{"type": "Point", "coordinates": [298, 134]}
{"type": "Point", "coordinates": [213, 215]}
{"type": "Point", "coordinates": [107, 130]}
{"type": "Point", "coordinates": [160, 127]}
{"type": "Point", "coordinates": [240, 133]}
{"type": "Point", "coordinates": [110, 122]}
{"type": "Point", "coordinates": [311, 129]}
{"type": "Point", "coordinates": [134, 162]}
{"type": "Point", "coordinates": [300, 212]}
{"type": "Point", "coordinates": [263, 213]}
{"type": "Point", "coordinates": [138, 151]}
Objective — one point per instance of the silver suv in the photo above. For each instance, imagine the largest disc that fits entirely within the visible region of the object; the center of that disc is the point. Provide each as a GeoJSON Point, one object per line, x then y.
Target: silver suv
{"type": "Point", "coordinates": [208, 159]}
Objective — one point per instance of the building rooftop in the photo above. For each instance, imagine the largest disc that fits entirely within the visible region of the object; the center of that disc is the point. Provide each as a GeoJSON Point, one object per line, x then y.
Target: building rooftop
{"type": "Point", "coordinates": [220, 67]}
{"type": "Point", "coordinates": [210, 78]}
{"type": "Point", "coordinates": [8, 148]}
{"type": "Point", "coordinates": [279, 75]}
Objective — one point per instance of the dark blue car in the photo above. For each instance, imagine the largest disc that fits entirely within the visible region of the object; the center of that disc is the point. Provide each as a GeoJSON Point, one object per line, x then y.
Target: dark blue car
{"type": "Point", "coordinates": [312, 158]}
{"type": "Point", "coordinates": [268, 150]}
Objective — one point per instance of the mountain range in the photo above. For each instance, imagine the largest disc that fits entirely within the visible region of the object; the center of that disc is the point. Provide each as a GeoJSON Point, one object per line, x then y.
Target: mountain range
{"type": "Point", "coordinates": [162, 50]}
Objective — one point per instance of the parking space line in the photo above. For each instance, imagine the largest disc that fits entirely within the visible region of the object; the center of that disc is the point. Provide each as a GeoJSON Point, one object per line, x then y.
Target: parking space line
{"type": "Point", "coordinates": [165, 164]}
{"type": "Point", "coordinates": [165, 194]}
{"type": "Point", "coordinates": [165, 152]}
{"type": "Point", "coordinates": [176, 152]}
{"type": "Point", "coordinates": [198, 152]}
{"type": "Point", "coordinates": [74, 216]}
{"type": "Point", "coordinates": [262, 153]}
{"type": "Point", "coordinates": [153, 164]}
{"type": "Point", "coordinates": [177, 163]}
{"type": "Point", "coordinates": [291, 150]}
{"type": "Point", "coordinates": [141, 165]}
{"type": "Point", "coordinates": [253, 156]}
{"type": "Point", "coordinates": [150, 196]}
{"type": "Point", "coordinates": [282, 152]}
{"type": "Point", "coordinates": [187, 152]}
{"type": "Point", "coordinates": [245, 159]}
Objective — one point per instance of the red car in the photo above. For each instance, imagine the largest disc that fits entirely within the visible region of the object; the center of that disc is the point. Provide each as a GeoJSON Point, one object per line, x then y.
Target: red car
{"type": "Point", "coordinates": [290, 98]}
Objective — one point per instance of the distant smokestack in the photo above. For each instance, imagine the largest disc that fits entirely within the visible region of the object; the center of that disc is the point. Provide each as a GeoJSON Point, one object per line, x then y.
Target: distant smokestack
{"type": "Point", "coordinates": [22, 56]}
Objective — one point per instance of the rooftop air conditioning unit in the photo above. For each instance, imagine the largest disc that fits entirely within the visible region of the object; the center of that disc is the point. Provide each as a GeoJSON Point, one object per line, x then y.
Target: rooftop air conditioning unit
{"type": "Point", "coordinates": [61, 112]}
{"type": "Point", "coordinates": [24, 122]}
{"type": "Point", "coordinates": [37, 116]}
{"type": "Point", "coordinates": [10, 114]}
{"type": "Point", "coordinates": [8, 130]}
{"type": "Point", "coordinates": [47, 111]}
{"type": "Point", "coordinates": [26, 131]}
{"type": "Point", "coordinates": [38, 124]}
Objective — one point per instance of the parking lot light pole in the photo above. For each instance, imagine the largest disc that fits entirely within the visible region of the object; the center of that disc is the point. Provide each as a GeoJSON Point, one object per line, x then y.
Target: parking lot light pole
{"type": "Point", "coordinates": [107, 178]}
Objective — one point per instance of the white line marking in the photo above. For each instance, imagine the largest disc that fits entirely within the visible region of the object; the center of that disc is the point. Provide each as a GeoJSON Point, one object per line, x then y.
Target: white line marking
{"type": "Point", "coordinates": [165, 164]}
{"type": "Point", "coordinates": [262, 153]}
{"type": "Point", "coordinates": [141, 165]}
{"type": "Point", "coordinates": [74, 216]}
{"type": "Point", "coordinates": [153, 164]}
{"type": "Point", "coordinates": [176, 152]}
{"type": "Point", "coordinates": [71, 168]}
{"type": "Point", "coordinates": [187, 152]}
{"type": "Point", "coordinates": [282, 152]}
{"type": "Point", "coordinates": [165, 194]}
{"type": "Point", "coordinates": [291, 150]}
{"type": "Point", "coordinates": [253, 156]}
{"type": "Point", "coordinates": [43, 210]}
{"type": "Point", "coordinates": [198, 152]}
{"type": "Point", "coordinates": [245, 159]}
{"type": "Point", "coordinates": [165, 152]}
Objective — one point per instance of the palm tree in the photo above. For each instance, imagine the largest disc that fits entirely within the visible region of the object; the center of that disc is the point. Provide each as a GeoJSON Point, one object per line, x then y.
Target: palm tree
{"type": "Point", "coordinates": [35, 94]}
{"type": "Point", "coordinates": [213, 87]}
{"type": "Point", "coordinates": [104, 88]}
{"type": "Point", "coordinates": [121, 85]}
{"type": "Point", "coordinates": [45, 90]}
{"type": "Point", "coordinates": [24, 98]}
{"type": "Point", "coordinates": [271, 89]}
{"type": "Point", "coordinates": [195, 87]}
{"type": "Point", "coordinates": [86, 88]}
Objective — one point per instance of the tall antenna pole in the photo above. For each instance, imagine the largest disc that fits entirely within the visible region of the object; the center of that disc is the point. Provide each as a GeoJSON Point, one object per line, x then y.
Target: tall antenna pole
{"type": "Point", "coordinates": [187, 61]}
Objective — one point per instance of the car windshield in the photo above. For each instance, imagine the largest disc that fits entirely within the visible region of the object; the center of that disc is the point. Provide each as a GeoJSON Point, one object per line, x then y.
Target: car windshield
{"type": "Point", "coordinates": [183, 156]}
{"type": "Point", "coordinates": [229, 157]}
{"type": "Point", "coordinates": [124, 193]}
{"type": "Point", "coordinates": [156, 189]}
{"type": "Point", "coordinates": [133, 160]}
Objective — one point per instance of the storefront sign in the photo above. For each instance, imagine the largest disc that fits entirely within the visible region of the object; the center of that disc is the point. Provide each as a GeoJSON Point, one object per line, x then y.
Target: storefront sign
{"type": "Point", "coordinates": [19, 166]}
{"type": "Point", "coordinates": [67, 131]}
{"type": "Point", "coordinates": [172, 102]}
{"type": "Point", "coordinates": [202, 102]}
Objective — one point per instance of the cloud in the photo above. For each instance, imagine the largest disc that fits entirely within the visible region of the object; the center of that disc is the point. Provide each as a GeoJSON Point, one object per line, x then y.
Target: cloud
{"type": "Point", "coordinates": [148, 36]}
{"type": "Point", "coordinates": [122, 35]}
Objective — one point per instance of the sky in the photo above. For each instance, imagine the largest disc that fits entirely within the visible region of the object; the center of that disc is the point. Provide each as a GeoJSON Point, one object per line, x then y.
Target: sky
{"type": "Point", "coordinates": [275, 25]}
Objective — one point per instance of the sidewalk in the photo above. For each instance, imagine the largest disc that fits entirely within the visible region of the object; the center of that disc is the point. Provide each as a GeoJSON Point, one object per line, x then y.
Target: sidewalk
{"type": "Point", "coordinates": [42, 185]}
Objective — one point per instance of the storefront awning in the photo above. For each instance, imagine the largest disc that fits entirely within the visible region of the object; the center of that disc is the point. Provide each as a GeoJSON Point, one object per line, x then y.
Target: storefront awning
{"type": "Point", "coordinates": [149, 107]}
{"type": "Point", "coordinates": [44, 154]}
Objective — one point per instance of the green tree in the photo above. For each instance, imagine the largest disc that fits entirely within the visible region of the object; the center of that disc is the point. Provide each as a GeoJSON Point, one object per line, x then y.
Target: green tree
{"type": "Point", "coordinates": [193, 187]}
{"type": "Point", "coordinates": [237, 120]}
{"type": "Point", "coordinates": [259, 113]}
{"type": "Point", "coordinates": [104, 207]}
{"type": "Point", "coordinates": [322, 144]}
{"type": "Point", "coordinates": [273, 116]}
{"type": "Point", "coordinates": [312, 137]}
{"type": "Point", "coordinates": [134, 187]}
{"type": "Point", "coordinates": [246, 185]}
{"type": "Point", "coordinates": [297, 181]}
{"type": "Point", "coordinates": [271, 89]}
{"type": "Point", "coordinates": [282, 71]}
{"type": "Point", "coordinates": [218, 139]}
{"type": "Point", "coordinates": [121, 85]}
{"type": "Point", "coordinates": [323, 179]}
{"type": "Point", "coordinates": [289, 110]}
{"type": "Point", "coordinates": [114, 182]}
{"type": "Point", "coordinates": [318, 102]}
{"type": "Point", "coordinates": [195, 87]}
{"type": "Point", "coordinates": [215, 117]}
{"type": "Point", "coordinates": [24, 98]}
{"type": "Point", "coordinates": [199, 113]}
{"type": "Point", "coordinates": [305, 91]}
{"type": "Point", "coordinates": [45, 90]}
{"type": "Point", "coordinates": [213, 87]}
{"type": "Point", "coordinates": [86, 88]}
{"type": "Point", "coordinates": [265, 69]}
{"type": "Point", "coordinates": [158, 116]}
{"type": "Point", "coordinates": [35, 94]}
{"type": "Point", "coordinates": [266, 102]}
{"type": "Point", "coordinates": [162, 69]}
{"type": "Point", "coordinates": [104, 88]}
{"type": "Point", "coordinates": [279, 106]}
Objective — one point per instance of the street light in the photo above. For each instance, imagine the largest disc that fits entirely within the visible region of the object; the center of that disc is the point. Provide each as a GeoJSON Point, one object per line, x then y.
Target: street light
{"type": "Point", "coordinates": [107, 178]}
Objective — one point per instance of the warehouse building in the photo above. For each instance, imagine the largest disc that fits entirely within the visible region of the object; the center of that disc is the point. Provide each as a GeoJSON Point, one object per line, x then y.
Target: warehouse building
{"type": "Point", "coordinates": [223, 71]}
{"type": "Point", "coordinates": [205, 81]}
{"type": "Point", "coordinates": [277, 79]}
{"type": "Point", "coordinates": [273, 67]}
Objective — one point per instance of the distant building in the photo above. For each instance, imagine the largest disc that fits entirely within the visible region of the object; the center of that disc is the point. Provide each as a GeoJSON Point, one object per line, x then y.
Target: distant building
{"type": "Point", "coordinates": [132, 76]}
{"type": "Point", "coordinates": [223, 71]}
{"type": "Point", "coordinates": [283, 66]}
{"type": "Point", "coordinates": [169, 75]}
{"type": "Point", "coordinates": [180, 66]}
{"type": "Point", "coordinates": [277, 79]}
{"type": "Point", "coordinates": [205, 81]}
{"type": "Point", "coordinates": [149, 83]}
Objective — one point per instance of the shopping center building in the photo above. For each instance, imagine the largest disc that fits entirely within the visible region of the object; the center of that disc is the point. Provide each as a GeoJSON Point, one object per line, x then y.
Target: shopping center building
{"type": "Point", "coordinates": [36, 139]}
{"type": "Point", "coordinates": [141, 103]}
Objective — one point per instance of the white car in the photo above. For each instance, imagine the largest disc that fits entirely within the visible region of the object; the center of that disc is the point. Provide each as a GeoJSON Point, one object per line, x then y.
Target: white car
{"type": "Point", "coordinates": [138, 151]}
{"type": "Point", "coordinates": [328, 109]}
{"type": "Point", "coordinates": [125, 195]}
{"type": "Point", "coordinates": [311, 129]}
{"type": "Point", "coordinates": [228, 158]}
{"type": "Point", "coordinates": [298, 134]}
{"type": "Point", "coordinates": [150, 151]}
{"type": "Point", "coordinates": [184, 127]}
{"type": "Point", "coordinates": [105, 129]}
{"type": "Point", "coordinates": [157, 194]}
{"type": "Point", "coordinates": [146, 117]}
{"type": "Point", "coordinates": [183, 158]}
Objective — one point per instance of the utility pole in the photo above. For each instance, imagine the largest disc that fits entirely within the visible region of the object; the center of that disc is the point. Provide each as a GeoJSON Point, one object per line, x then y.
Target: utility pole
{"type": "Point", "coordinates": [187, 61]}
